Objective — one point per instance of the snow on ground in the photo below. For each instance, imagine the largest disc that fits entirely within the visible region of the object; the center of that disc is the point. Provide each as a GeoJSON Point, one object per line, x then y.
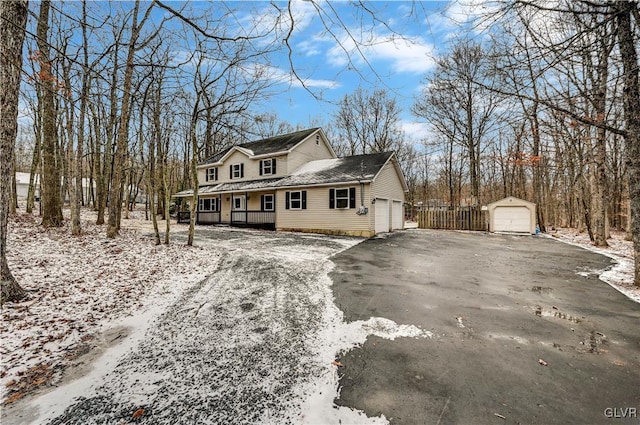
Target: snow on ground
{"type": "Point", "coordinates": [77, 286]}
{"type": "Point", "coordinates": [241, 328]}
{"type": "Point", "coordinates": [620, 276]}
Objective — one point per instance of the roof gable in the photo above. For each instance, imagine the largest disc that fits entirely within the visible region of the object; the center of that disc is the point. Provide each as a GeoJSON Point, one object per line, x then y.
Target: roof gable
{"type": "Point", "coordinates": [273, 145]}
{"type": "Point", "coordinates": [511, 200]}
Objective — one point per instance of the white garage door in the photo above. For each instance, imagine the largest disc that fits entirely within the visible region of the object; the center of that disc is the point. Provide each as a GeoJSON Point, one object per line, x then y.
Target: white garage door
{"type": "Point", "coordinates": [512, 219]}
{"type": "Point", "coordinates": [397, 215]}
{"type": "Point", "coordinates": [382, 215]}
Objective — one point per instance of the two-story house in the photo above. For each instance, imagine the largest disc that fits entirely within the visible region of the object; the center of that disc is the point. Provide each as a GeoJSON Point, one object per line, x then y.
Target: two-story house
{"type": "Point", "coordinates": [295, 182]}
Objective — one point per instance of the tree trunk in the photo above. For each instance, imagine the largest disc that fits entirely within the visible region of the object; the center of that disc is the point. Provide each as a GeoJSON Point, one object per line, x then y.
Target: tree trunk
{"type": "Point", "coordinates": [13, 18]}
{"type": "Point", "coordinates": [14, 186]}
{"type": "Point", "coordinates": [115, 191]}
{"type": "Point", "coordinates": [631, 102]}
{"type": "Point", "coordinates": [50, 178]}
{"type": "Point", "coordinates": [31, 194]}
{"type": "Point", "coordinates": [193, 204]}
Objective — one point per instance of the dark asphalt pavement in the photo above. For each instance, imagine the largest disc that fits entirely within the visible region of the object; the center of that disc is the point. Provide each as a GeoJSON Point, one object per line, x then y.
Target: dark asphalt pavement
{"type": "Point", "coordinates": [497, 306]}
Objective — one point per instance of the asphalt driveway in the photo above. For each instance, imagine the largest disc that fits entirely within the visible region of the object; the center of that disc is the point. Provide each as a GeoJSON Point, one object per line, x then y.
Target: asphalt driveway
{"type": "Point", "coordinates": [523, 332]}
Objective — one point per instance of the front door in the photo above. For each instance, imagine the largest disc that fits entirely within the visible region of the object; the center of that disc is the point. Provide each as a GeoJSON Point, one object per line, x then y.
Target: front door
{"type": "Point", "coordinates": [238, 209]}
{"type": "Point", "coordinates": [239, 202]}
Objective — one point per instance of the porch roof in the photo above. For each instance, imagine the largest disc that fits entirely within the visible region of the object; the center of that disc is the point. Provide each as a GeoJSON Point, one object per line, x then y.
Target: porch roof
{"type": "Point", "coordinates": [246, 186]}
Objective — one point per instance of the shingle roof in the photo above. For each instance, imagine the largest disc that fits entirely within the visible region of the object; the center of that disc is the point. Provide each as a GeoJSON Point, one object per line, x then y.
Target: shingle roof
{"type": "Point", "coordinates": [323, 171]}
{"type": "Point", "coordinates": [280, 143]}
{"type": "Point", "coordinates": [347, 169]}
{"type": "Point", "coordinates": [240, 186]}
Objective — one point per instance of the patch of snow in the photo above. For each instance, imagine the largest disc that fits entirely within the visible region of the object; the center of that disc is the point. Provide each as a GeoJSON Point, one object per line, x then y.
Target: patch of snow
{"type": "Point", "coordinates": [621, 275]}
{"type": "Point", "coordinates": [335, 338]}
{"type": "Point", "coordinates": [317, 166]}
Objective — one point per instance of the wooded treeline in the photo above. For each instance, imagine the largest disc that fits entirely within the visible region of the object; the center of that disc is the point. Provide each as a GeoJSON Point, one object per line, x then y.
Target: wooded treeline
{"type": "Point", "coordinates": [536, 102]}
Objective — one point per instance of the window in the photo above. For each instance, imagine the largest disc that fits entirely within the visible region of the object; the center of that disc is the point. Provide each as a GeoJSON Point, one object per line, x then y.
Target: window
{"type": "Point", "coordinates": [208, 204]}
{"type": "Point", "coordinates": [236, 171]}
{"type": "Point", "coordinates": [211, 174]}
{"type": "Point", "coordinates": [268, 166]}
{"type": "Point", "coordinates": [296, 200]}
{"type": "Point", "coordinates": [342, 198]}
{"type": "Point", "coordinates": [238, 203]}
{"type": "Point", "coordinates": [267, 203]}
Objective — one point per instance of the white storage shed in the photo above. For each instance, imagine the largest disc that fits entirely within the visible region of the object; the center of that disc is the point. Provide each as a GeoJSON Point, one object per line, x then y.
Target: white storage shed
{"type": "Point", "coordinates": [512, 215]}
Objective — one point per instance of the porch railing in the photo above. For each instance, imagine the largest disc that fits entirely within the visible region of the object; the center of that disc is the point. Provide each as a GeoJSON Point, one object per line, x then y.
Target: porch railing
{"type": "Point", "coordinates": [208, 217]}
{"type": "Point", "coordinates": [253, 217]}
{"type": "Point", "coordinates": [184, 216]}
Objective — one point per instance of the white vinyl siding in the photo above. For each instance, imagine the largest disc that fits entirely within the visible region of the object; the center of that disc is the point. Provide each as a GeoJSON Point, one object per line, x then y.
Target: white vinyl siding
{"type": "Point", "coordinates": [318, 215]}
{"type": "Point", "coordinates": [387, 184]}
{"type": "Point", "coordinates": [305, 152]}
{"type": "Point", "coordinates": [397, 215]}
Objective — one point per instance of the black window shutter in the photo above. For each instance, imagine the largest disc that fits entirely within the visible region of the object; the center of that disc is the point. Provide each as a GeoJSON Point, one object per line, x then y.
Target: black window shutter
{"type": "Point", "coordinates": [206, 175]}
{"type": "Point", "coordinates": [261, 202]}
{"type": "Point", "coordinates": [231, 171]}
{"type": "Point", "coordinates": [332, 198]}
{"type": "Point", "coordinates": [352, 197]}
{"type": "Point", "coordinates": [273, 166]}
{"type": "Point", "coordinates": [260, 167]}
{"type": "Point", "coordinates": [304, 199]}
{"type": "Point", "coordinates": [215, 174]}
{"type": "Point", "coordinates": [286, 200]}
{"type": "Point", "coordinates": [241, 170]}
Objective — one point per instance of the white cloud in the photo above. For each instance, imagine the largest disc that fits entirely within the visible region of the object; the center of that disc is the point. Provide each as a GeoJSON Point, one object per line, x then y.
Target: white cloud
{"type": "Point", "coordinates": [405, 55]}
{"type": "Point", "coordinates": [281, 76]}
{"type": "Point", "coordinates": [414, 130]}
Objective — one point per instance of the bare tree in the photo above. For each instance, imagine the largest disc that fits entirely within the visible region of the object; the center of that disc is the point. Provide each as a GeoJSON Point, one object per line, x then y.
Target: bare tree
{"type": "Point", "coordinates": [459, 108]}
{"type": "Point", "coordinates": [50, 177]}
{"type": "Point", "coordinates": [122, 140]}
{"type": "Point", "coordinates": [627, 42]}
{"type": "Point", "coordinates": [13, 18]}
{"type": "Point", "coordinates": [368, 122]}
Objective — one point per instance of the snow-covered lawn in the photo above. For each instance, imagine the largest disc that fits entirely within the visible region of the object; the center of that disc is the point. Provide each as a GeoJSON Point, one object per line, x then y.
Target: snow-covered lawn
{"type": "Point", "coordinates": [240, 328]}
{"type": "Point", "coordinates": [77, 286]}
{"type": "Point", "coordinates": [620, 276]}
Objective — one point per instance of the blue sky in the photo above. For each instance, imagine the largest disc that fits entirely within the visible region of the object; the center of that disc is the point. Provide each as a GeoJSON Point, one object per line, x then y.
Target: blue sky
{"type": "Point", "coordinates": [400, 51]}
{"type": "Point", "coordinates": [397, 45]}
{"type": "Point", "coordinates": [398, 48]}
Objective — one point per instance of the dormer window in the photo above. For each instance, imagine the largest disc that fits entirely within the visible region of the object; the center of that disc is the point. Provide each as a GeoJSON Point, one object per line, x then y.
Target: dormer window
{"type": "Point", "coordinates": [236, 171]}
{"type": "Point", "coordinates": [211, 174]}
{"type": "Point", "coordinates": [267, 167]}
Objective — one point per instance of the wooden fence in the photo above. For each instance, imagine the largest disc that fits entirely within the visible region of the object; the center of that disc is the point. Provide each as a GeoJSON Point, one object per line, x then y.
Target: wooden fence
{"type": "Point", "coordinates": [454, 220]}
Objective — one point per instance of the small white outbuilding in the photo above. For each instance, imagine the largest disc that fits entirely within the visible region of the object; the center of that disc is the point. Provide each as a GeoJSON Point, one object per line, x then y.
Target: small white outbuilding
{"type": "Point", "coordinates": [512, 215]}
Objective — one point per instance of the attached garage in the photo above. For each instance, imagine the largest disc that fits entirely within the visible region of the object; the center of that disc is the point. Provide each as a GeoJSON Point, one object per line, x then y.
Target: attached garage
{"type": "Point", "coordinates": [382, 215]}
{"type": "Point", "coordinates": [512, 215]}
{"type": "Point", "coordinates": [397, 215]}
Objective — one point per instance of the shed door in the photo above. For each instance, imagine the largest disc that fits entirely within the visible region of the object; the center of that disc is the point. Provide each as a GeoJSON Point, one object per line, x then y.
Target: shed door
{"type": "Point", "coordinates": [397, 215]}
{"type": "Point", "coordinates": [512, 219]}
{"type": "Point", "coordinates": [382, 215]}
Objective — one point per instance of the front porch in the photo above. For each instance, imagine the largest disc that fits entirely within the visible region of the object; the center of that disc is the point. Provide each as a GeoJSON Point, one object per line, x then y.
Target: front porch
{"type": "Point", "coordinates": [249, 209]}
